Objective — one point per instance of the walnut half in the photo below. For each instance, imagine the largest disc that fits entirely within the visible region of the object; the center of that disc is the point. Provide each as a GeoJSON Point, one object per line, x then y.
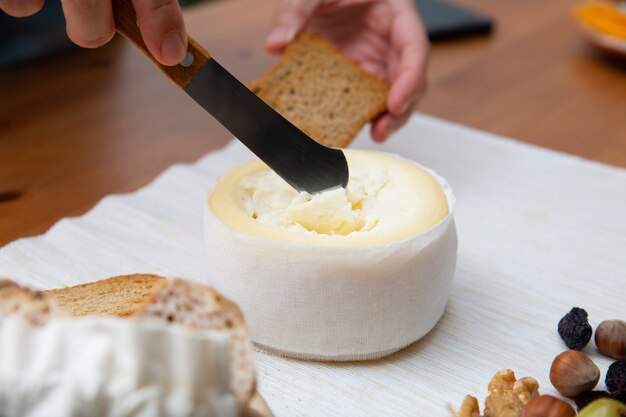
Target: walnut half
{"type": "Point", "coordinates": [507, 396]}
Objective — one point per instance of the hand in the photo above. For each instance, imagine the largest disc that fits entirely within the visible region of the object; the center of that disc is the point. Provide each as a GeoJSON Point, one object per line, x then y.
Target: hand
{"type": "Point", "coordinates": [90, 24]}
{"type": "Point", "coordinates": [385, 37]}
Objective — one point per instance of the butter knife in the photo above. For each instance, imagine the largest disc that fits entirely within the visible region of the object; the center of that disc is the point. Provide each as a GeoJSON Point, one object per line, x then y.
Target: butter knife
{"type": "Point", "coordinates": [303, 163]}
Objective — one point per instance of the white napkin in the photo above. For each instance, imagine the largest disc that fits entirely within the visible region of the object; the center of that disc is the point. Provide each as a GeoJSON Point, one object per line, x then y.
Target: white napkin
{"type": "Point", "coordinates": [111, 367]}
{"type": "Point", "coordinates": [539, 232]}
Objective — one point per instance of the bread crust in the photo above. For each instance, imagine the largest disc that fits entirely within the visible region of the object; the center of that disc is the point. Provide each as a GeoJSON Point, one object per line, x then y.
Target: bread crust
{"type": "Point", "coordinates": [191, 305]}
{"type": "Point", "coordinates": [116, 296]}
{"type": "Point", "coordinates": [34, 306]}
{"type": "Point", "coordinates": [321, 91]}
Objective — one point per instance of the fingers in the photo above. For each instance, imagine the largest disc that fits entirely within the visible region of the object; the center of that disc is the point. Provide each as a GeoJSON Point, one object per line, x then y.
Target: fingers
{"type": "Point", "coordinates": [408, 81]}
{"type": "Point", "coordinates": [89, 22]}
{"type": "Point", "coordinates": [163, 29]}
{"type": "Point", "coordinates": [388, 123]}
{"type": "Point", "coordinates": [290, 18]}
{"type": "Point", "coordinates": [21, 8]}
{"type": "Point", "coordinates": [409, 39]}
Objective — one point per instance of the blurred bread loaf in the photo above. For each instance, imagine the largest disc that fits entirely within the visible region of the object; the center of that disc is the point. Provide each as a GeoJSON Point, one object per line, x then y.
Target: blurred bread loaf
{"type": "Point", "coordinates": [191, 305]}
{"type": "Point", "coordinates": [321, 91]}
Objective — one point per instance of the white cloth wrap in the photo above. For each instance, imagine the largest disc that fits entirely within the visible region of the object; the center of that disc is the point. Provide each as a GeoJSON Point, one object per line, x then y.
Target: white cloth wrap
{"type": "Point", "coordinates": [323, 303]}
{"type": "Point", "coordinates": [96, 367]}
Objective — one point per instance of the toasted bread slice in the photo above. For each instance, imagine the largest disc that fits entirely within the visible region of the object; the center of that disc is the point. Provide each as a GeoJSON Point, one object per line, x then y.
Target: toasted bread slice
{"type": "Point", "coordinates": [321, 91]}
{"type": "Point", "coordinates": [117, 296]}
{"type": "Point", "coordinates": [190, 305]}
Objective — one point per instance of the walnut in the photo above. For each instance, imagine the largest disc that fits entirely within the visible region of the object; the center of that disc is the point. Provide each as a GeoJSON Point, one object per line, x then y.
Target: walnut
{"type": "Point", "coordinates": [469, 407]}
{"type": "Point", "coordinates": [507, 395]}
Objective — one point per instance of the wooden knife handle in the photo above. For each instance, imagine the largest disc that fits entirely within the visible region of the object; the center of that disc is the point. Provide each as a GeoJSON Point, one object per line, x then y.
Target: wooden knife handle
{"type": "Point", "coordinates": [181, 74]}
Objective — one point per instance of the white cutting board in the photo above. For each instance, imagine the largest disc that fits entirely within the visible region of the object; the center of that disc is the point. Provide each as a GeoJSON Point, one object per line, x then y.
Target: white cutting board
{"type": "Point", "coordinates": [539, 232]}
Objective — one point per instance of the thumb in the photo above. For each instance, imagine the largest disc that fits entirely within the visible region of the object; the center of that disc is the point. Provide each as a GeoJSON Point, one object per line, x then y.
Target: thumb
{"type": "Point", "coordinates": [291, 16]}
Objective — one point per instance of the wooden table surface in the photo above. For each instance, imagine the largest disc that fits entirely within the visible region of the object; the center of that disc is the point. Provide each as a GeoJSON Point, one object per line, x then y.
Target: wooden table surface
{"type": "Point", "coordinates": [96, 122]}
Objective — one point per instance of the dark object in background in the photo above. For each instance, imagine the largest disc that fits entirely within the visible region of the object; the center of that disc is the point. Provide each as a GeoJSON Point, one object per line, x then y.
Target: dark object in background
{"type": "Point", "coordinates": [43, 34]}
{"type": "Point", "coordinates": [28, 38]}
{"type": "Point", "coordinates": [574, 329]}
{"type": "Point", "coordinates": [448, 21]}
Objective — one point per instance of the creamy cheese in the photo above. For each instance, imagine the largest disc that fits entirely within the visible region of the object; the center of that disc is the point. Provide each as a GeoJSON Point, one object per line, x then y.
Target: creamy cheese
{"type": "Point", "coordinates": [387, 199]}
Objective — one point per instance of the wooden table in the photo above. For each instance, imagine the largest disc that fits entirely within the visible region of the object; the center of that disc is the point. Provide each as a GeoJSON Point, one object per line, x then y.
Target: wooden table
{"type": "Point", "coordinates": [96, 122]}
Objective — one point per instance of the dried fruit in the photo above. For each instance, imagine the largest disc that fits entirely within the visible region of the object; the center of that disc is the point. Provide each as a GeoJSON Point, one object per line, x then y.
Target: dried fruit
{"type": "Point", "coordinates": [611, 339]}
{"type": "Point", "coordinates": [572, 373]}
{"type": "Point", "coordinates": [588, 397]}
{"type": "Point", "coordinates": [604, 408]}
{"type": "Point", "coordinates": [507, 395]}
{"type": "Point", "coordinates": [547, 406]}
{"type": "Point", "coordinates": [615, 379]}
{"type": "Point", "coordinates": [574, 329]}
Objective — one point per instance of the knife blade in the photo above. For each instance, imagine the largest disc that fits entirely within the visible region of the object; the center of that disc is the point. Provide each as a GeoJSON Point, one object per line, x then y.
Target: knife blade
{"type": "Point", "coordinates": [302, 162]}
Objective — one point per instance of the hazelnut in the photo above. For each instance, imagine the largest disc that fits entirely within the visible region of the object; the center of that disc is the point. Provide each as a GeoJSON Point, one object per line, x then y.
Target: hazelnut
{"type": "Point", "coordinates": [547, 406]}
{"type": "Point", "coordinates": [611, 339]}
{"type": "Point", "coordinates": [572, 373]}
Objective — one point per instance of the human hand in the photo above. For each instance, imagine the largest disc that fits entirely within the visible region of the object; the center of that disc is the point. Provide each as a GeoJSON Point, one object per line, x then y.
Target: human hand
{"type": "Point", "coordinates": [385, 37]}
{"type": "Point", "coordinates": [90, 24]}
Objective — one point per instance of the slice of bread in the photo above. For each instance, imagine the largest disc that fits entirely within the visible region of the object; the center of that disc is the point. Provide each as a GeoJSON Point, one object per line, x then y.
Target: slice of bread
{"type": "Point", "coordinates": [321, 91]}
{"type": "Point", "coordinates": [190, 305]}
{"type": "Point", "coordinates": [117, 296]}
{"type": "Point", "coordinates": [193, 306]}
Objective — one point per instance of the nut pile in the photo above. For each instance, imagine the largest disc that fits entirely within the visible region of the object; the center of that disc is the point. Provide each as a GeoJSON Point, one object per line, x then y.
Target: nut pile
{"type": "Point", "coordinates": [573, 374]}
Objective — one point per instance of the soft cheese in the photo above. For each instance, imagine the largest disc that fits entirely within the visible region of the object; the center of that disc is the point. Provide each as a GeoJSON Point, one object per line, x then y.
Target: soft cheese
{"type": "Point", "coordinates": [349, 274]}
{"type": "Point", "coordinates": [387, 199]}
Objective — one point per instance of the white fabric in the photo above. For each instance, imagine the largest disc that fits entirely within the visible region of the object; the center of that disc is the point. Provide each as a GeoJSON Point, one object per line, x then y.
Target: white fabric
{"type": "Point", "coordinates": [327, 303]}
{"type": "Point", "coordinates": [539, 232]}
{"type": "Point", "coordinates": [109, 367]}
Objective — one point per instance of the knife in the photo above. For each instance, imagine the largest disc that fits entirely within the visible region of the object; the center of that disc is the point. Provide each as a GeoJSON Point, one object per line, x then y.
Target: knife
{"type": "Point", "coordinates": [305, 164]}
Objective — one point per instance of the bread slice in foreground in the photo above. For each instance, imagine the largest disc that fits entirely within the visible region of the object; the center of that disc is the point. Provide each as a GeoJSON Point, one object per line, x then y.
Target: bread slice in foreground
{"type": "Point", "coordinates": [193, 306]}
{"type": "Point", "coordinates": [321, 91]}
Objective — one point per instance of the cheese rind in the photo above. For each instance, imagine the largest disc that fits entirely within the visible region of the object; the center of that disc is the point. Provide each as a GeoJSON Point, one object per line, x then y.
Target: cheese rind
{"type": "Point", "coordinates": [108, 366]}
{"type": "Point", "coordinates": [387, 199]}
{"type": "Point", "coordinates": [345, 275]}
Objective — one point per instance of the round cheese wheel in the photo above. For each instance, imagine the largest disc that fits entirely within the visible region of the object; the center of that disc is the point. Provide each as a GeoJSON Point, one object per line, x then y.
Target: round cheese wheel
{"type": "Point", "coordinates": [348, 274]}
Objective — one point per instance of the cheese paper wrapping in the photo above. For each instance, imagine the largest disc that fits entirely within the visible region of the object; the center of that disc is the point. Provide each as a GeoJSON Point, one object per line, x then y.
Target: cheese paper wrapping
{"type": "Point", "coordinates": [329, 303]}
{"type": "Point", "coordinates": [97, 367]}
